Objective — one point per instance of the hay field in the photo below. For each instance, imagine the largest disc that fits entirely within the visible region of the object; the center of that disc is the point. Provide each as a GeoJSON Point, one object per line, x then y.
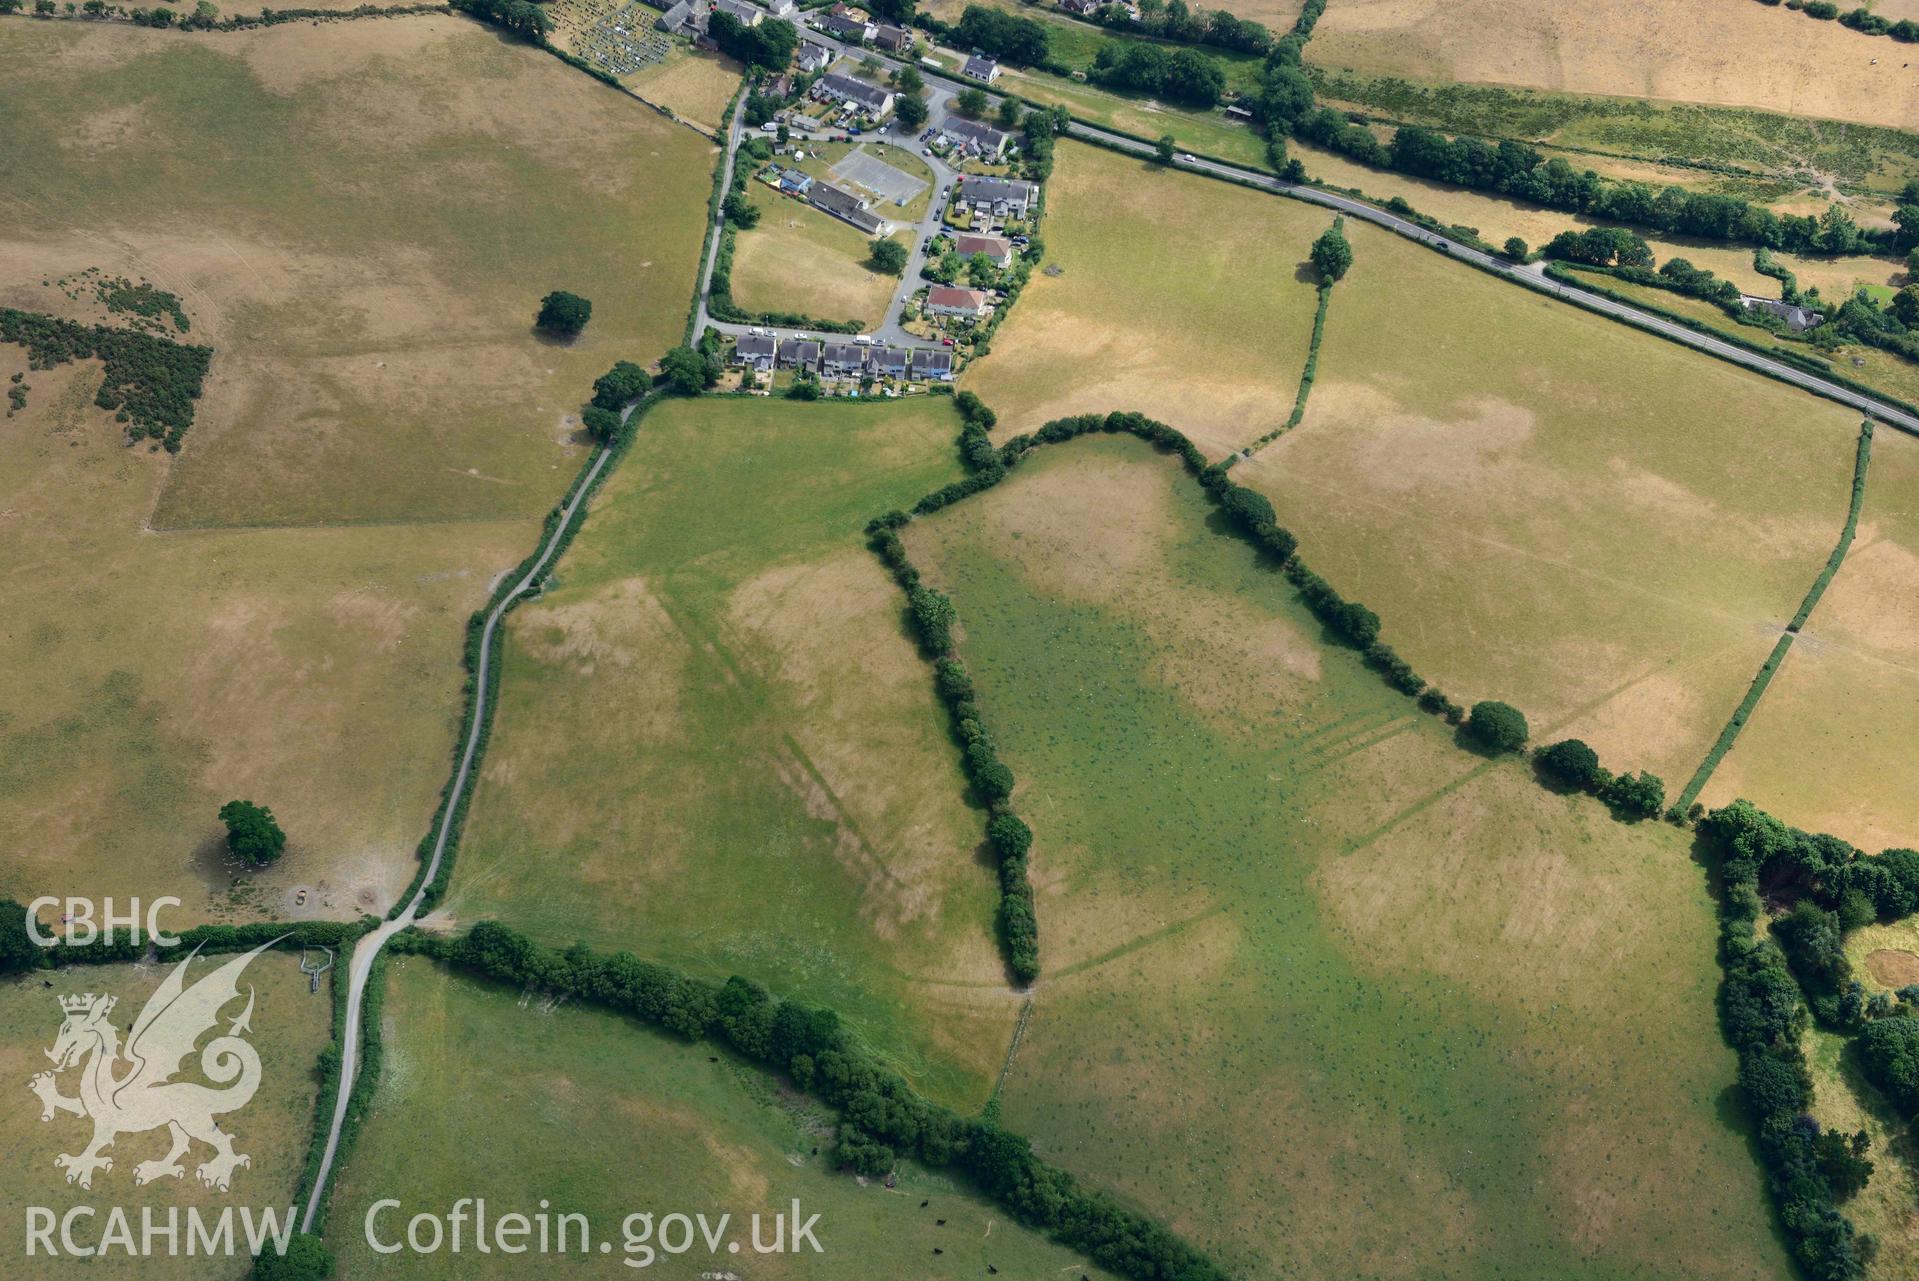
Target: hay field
{"type": "Point", "coordinates": [1545, 507]}
{"type": "Point", "coordinates": [1722, 52]}
{"type": "Point", "coordinates": [1830, 747]}
{"type": "Point", "coordinates": [521, 1106]}
{"type": "Point", "coordinates": [1332, 995]}
{"type": "Point", "coordinates": [360, 218]}
{"type": "Point", "coordinates": [800, 260]}
{"type": "Point", "coordinates": [290, 1026]}
{"type": "Point", "coordinates": [716, 746]}
{"type": "Point", "coordinates": [147, 678]}
{"type": "Point", "coordinates": [1182, 297]}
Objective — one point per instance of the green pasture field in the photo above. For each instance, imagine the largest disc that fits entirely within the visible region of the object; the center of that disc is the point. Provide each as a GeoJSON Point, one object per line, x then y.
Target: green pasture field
{"type": "Point", "coordinates": [1327, 992]}
{"type": "Point", "coordinates": [1207, 132]}
{"type": "Point", "coordinates": [290, 1028]}
{"type": "Point", "coordinates": [485, 1094]}
{"type": "Point", "coordinates": [716, 746]}
{"type": "Point", "coordinates": [361, 218]}
{"type": "Point", "coordinates": [1614, 555]}
{"type": "Point", "coordinates": [1208, 330]}
{"type": "Point", "coordinates": [1829, 748]}
{"type": "Point", "coordinates": [147, 678]}
{"type": "Point", "coordinates": [799, 260]}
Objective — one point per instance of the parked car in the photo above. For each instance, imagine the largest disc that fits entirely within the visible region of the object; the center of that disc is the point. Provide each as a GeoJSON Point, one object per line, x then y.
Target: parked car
{"type": "Point", "coordinates": [769, 127]}
{"type": "Point", "coordinates": [946, 342]}
{"type": "Point", "coordinates": [863, 340]}
{"type": "Point", "coordinates": [855, 131]}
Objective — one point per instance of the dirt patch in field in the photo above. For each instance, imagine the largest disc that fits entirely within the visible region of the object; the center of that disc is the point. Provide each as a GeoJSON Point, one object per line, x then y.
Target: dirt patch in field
{"type": "Point", "coordinates": [1892, 967]}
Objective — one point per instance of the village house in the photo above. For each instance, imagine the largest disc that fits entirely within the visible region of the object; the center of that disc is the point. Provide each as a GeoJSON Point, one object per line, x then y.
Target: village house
{"type": "Point", "coordinates": [799, 353]}
{"type": "Point", "coordinates": [756, 351]}
{"type": "Point", "coordinates": [998, 249]}
{"type": "Point", "coordinates": [843, 360]}
{"type": "Point", "coordinates": [893, 39]}
{"type": "Point", "coordinates": [795, 182]}
{"type": "Point", "coordinates": [749, 15]}
{"type": "Point", "coordinates": [779, 8]}
{"type": "Point", "coordinates": [890, 362]}
{"type": "Point", "coordinates": [932, 364]}
{"type": "Point", "coordinates": [839, 88]}
{"type": "Point", "coordinates": [851, 30]}
{"type": "Point", "coordinates": [1797, 318]}
{"type": "Point", "coordinates": [1080, 8]}
{"type": "Point", "coordinates": [845, 206]}
{"type": "Point", "coordinates": [1000, 197]}
{"type": "Point", "coordinates": [973, 137]}
{"type": "Point", "coordinates": [812, 56]}
{"type": "Point", "coordinates": [948, 300]}
{"type": "Point", "coordinates": [984, 70]}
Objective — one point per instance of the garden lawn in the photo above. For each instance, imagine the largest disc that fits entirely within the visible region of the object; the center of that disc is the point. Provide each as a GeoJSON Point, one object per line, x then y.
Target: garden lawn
{"type": "Point", "coordinates": [716, 746]}
{"type": "Point", "coordinates": [1178, 296]}
{"type": "Point", "coordinates": [486, 1094]}
{"type": "Point", "coordinates": [1829, 748]}
{"type": "Point", "coordinates": [1545, 507]}
{"type": "Point", "coordinates": [1329, 993]}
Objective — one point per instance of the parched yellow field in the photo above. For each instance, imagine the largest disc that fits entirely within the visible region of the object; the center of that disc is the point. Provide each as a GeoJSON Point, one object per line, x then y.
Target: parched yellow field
{"type": "Point", "coordinates": [717, 747]}
{"type": "Point", "coordinates": [1614, 555]}
{"type": "Point", "coordinates": [1729, 52]}
{"type": "Point", "coordinates": [360, 217]}
{"type": "Point", "coordinates": [147, 678]}
{"type": "Point", "coordinates": [1296, 940]}
{"type": "Point", "coordinates": [290, 1028]}
{"type": "Point", "coordinates": [801, 261]}
{"type": "Point", "coordinates": [1830, 748]}
{"type": "Point", "coordinates": [1178, 296]}
{"type": "Point", "coordinates": [695, 86]}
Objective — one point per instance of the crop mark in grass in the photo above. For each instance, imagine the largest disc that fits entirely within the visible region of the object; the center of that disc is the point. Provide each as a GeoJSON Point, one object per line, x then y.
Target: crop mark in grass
{"type": "Point", "coordinates": [1144, 940]}
{"type": "Point", "coordinates": [1354, 744]}
{"type": "Point", "coordinates": [837, 813]}
{"type": "Point", "coordinates": [1417, 807]}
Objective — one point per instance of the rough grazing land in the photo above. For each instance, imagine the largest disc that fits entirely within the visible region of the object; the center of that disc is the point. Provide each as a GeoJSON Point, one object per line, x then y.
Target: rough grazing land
{"type": "Point", "coordinates": [1830, 748]}
{"type": "Point", "coordinates": [147, 678]}
{"type": "Point", "coordinates": [486, 1095]}
{"type": "Point", "coordinates": [717, 747]}
{"type": "Point", "coordinates": [290, 1029]}
{"type": "Point", "coordinates": [1208, 330]}
{"type": "Point", "coordinates": [1729, 52]}
{"type": "Point", "coordinates": [1331, 994]}
{"type": "Point", "coordinates": [360, 218]}
{"type": "Point", "coordinates": [1614, 556]}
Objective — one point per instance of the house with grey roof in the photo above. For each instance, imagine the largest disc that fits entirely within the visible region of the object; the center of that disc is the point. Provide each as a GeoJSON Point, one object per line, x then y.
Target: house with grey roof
{"type": "Point", "coordinates": [852, 30]}
{"type": "Point", "coordinates": [779, 8]}
{"type": "Point", "coordinates": [679, 20]}
{"type": "Point", "coordinates": [933, 364]}
{"type": "Point", "coordinates": [890, 362]}
{"type": "Point", "coordinates": [984, 70]}
{"type": "Point", "coordinates": [1001, 197]}
{"type": "Point", "coordinates": [1797, 318]}
{"type": "Point", "coordinates": [799, 353]}
{"type": "Point", "coordinates": [843, 360]}
{"type": "Point", "coordinates": [812, 56]}
{"type": "Point", "coordinates": [865, 96]}
{"type": "Point", "coordinates": [749, 15]}
{"type": "Point", "coordinates": [756, 351]}
{"type": "Point", "coordinates": [972, 136]}
{"type": "Point", "coordinates": [845, 206]}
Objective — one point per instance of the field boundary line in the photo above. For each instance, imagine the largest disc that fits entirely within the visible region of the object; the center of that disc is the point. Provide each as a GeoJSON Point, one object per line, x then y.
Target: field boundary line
{"type": "Point", "coordinates": [1862, 460]}
{"type": "Point", "coordinates": [1306, 374]}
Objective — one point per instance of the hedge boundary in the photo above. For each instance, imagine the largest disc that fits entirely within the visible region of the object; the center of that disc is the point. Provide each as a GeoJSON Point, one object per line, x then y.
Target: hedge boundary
{"type": "Point", "coordinates": [1306, 375]}
{"type": "Point", "coordinates": [1862, 460]}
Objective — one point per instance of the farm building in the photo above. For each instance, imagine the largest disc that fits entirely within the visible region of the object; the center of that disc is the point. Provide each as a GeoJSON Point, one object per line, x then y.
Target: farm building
{"type": "Point", "coordinates": [970, 135]}
{"type": "Point", "coordinates": [756, 351]}
{"type": "Point", "coordinates": [949, 300]}
{"type": "Point", "coordinates": [845, 206]}
{"type": "Point", "coordinates": [846, 89]}
{"type": "Point", "coordinates": [984, 70]}
{"type": "Point", "coordinates": [997, 248]}
{"type": "Point", "coordinates": [1002, 197]}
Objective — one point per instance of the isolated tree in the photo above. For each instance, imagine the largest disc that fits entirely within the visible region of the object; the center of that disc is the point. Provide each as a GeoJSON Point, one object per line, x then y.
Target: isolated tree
{"type": "Point", "coordinates": [1331, 254]}
{"type": "Point", "coordinates": [1497, 726]}
{"type": "Point", "coordinates": [971, 103]}
{"type": "Point", "coordinates": [306, 1259]}
{"type": "Point", "coordinates": [1009, 113]}
{"type": "Point", "coordinates": [1163, 149]}
{"type": "Point", "coordinates": [910, 110]}
{"type": "Point", "coordinates": [17, 951]}
{"type": "Point", "coordinates": [563, 314]}
{"type": "Point", "coordinates": [1569, 761]}
{"type": "Point", "coordinates": [888, 256]}
{"type": "Point", "coordinates": [252, 833]}
{"type": "Point", "coordinates": [908, 80]}
{"type": "Point", "coordinates": [1516, 249]}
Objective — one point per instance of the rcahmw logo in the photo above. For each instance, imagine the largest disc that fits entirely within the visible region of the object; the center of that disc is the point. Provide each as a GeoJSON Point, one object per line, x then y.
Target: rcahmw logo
{"type": "Point", "coordinates": [129, 1088]}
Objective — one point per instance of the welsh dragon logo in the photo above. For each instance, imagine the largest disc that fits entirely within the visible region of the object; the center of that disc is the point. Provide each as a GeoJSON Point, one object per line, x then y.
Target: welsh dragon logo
{"type": "Point", "coordinates": [144, 1096]}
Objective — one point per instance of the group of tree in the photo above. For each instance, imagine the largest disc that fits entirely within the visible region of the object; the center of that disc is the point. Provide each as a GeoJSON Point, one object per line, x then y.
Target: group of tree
{"type": "Point", "coordinates": [1005, 36]}
{"type": "Point", "coordinates": [1571, 763]}
{"type": "Point", "coordinates": [769, 43]}
{"type": "Point", "coordinates": [520, 16]}
{"type": "Point", "coordinates": [1181, 75]}
{"type": "Point", "coordinates": [1788, 864]}
{"type": "Point", "coordinates": [1176, 21]}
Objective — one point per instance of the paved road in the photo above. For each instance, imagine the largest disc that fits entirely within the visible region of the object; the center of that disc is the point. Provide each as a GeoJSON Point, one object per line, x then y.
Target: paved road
{"type": "Point", "coordinates": [369, 945]}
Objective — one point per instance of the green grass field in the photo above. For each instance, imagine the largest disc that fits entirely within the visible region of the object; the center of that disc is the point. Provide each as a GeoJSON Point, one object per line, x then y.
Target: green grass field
{"type": "Point", "coordinates": [1328, 993]}
{"type": "Point", "coordinates": [290, 1028]}
{"type": "Point", "coordinates": [485, 1095]}
{"type": "Point", "coordinates": [716, 746]}
{"type": "Point", "coordinates": [1613, 555]}
{"type": "Point", "coordinates": [1829, 747]}
{"type": "Point", "coordinates": [1208, 331]}
{"type": "Point", "coordinates": [361, 218]}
